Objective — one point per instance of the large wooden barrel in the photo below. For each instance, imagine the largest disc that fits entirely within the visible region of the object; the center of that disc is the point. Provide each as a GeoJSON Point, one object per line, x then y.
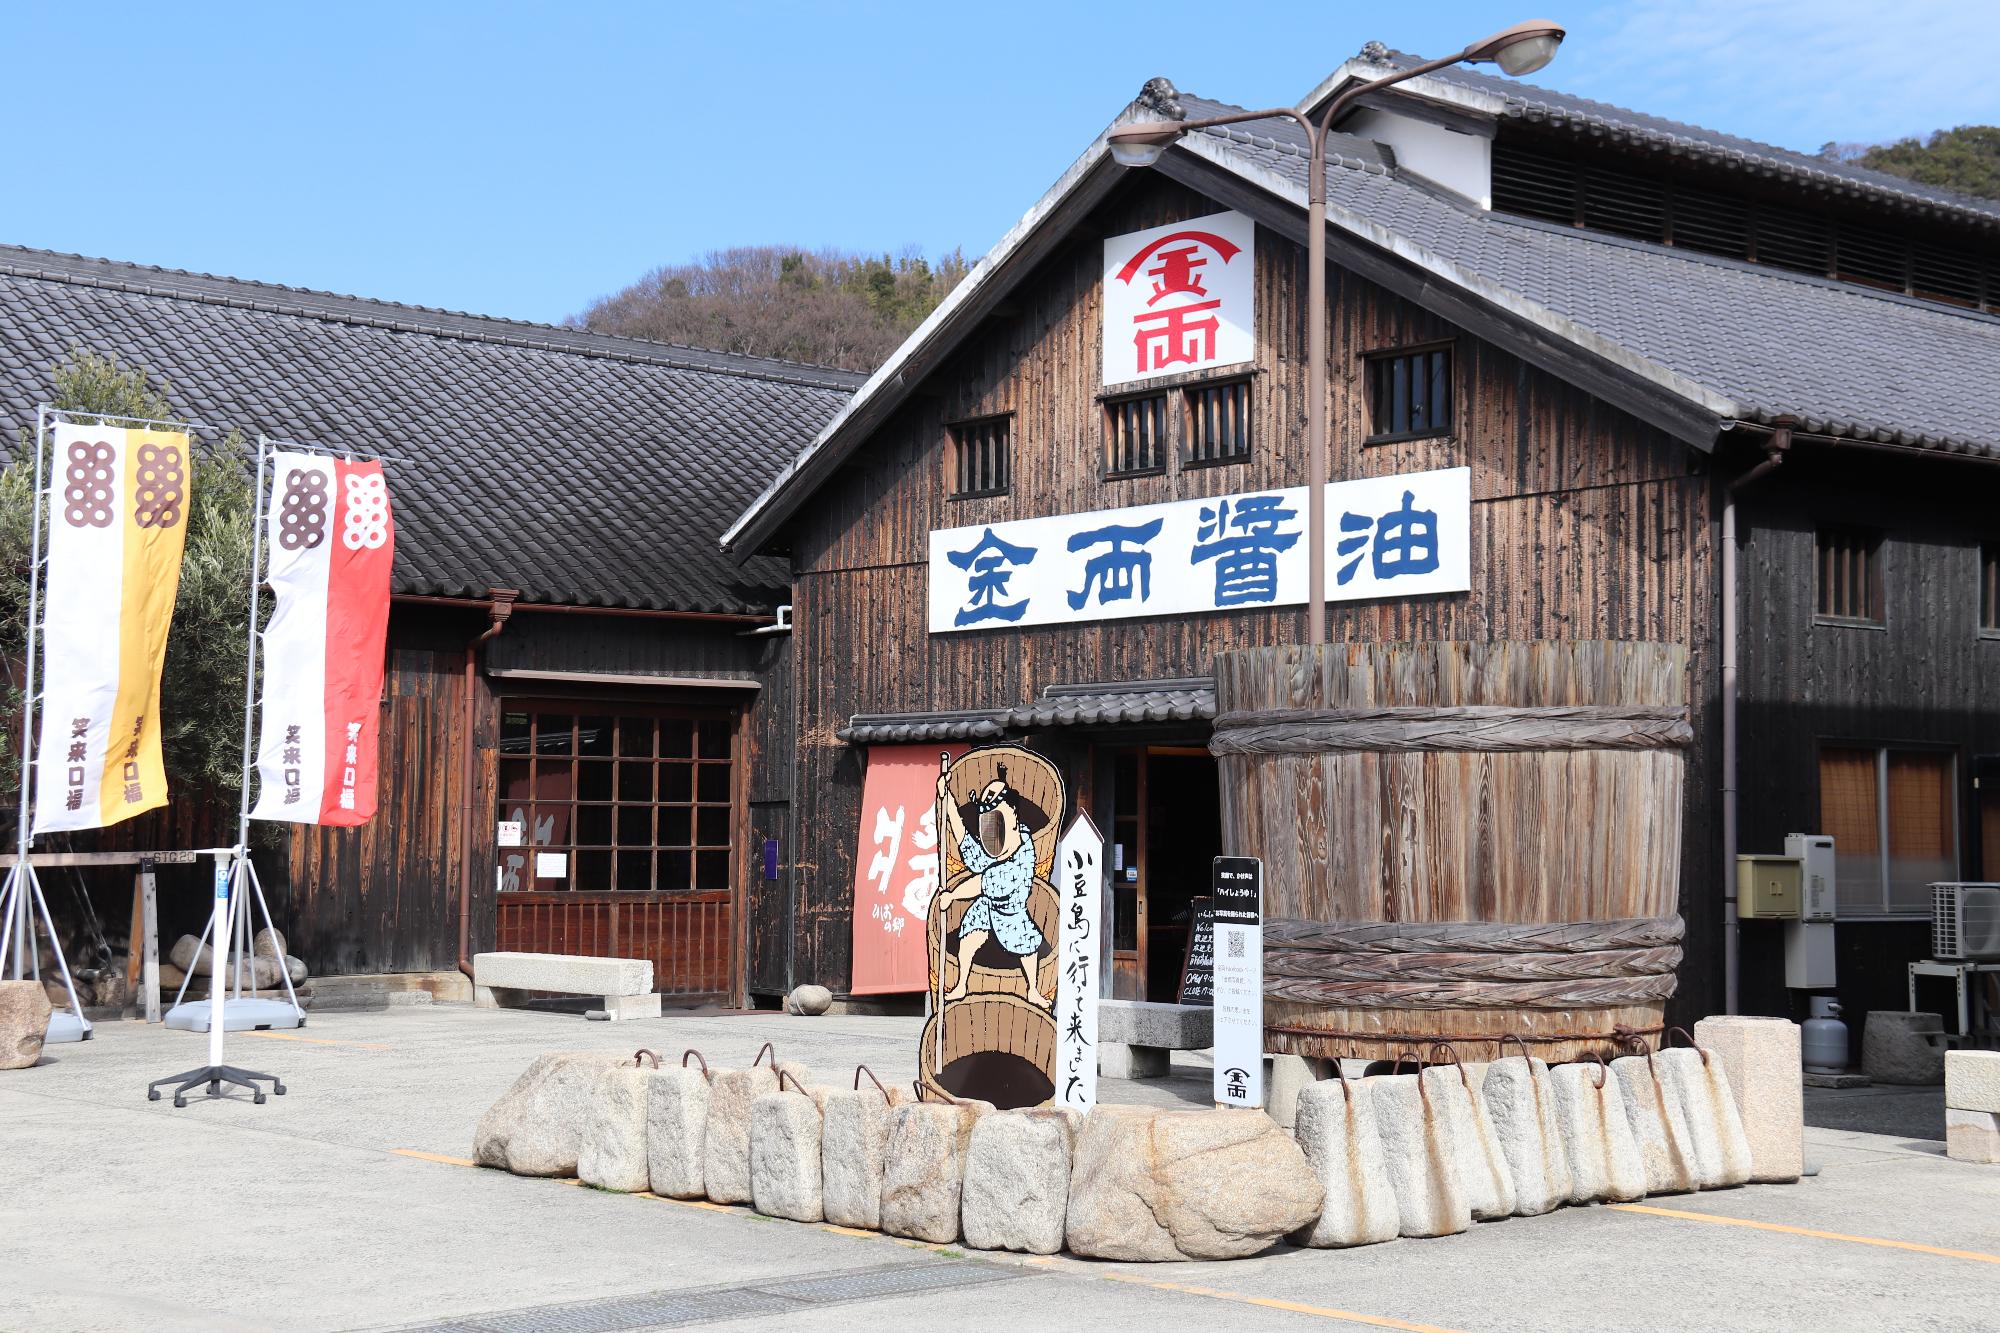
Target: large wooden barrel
{"type": "Point", "coordinates": [1461, 841]}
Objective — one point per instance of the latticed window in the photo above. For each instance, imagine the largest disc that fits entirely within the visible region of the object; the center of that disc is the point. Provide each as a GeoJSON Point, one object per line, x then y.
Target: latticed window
{"type": "Point", "coordinates": [1135, 435]}
{"type": "Point", "coordinates": [632, 800]}
{"type": "Point", "coordinates": [1409, 393]}
{"type": "Point", "coordinates": [1989, 587]}
{"type": "Point", "coordinates": [980, 456]}
{"type": "Point", "coordinates": [1218, 423]}
{"type": "Point", "coordinates": [1849, 576]}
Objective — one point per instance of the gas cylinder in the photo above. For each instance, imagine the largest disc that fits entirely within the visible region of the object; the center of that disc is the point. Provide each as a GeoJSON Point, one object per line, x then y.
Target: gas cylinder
{"type": "Point", "coordinates": [1823, 1041]}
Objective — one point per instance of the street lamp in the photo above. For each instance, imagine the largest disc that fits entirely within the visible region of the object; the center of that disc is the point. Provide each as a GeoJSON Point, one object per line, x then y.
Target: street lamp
{"type": "Point", "coordinates": [1521, 49]}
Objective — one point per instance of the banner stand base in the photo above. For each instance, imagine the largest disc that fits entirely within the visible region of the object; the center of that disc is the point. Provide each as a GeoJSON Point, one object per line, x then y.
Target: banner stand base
{"type": "Point", "coordinates": [215, 1076]}
{"type": "Point", "coordinates": [21, 902]}
{"type": "Point", "coordinates": [239, 1014]}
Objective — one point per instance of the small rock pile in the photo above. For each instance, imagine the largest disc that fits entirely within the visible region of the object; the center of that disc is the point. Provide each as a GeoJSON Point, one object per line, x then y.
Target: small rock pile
{"type": "Point", "coordinates": [260, 969]}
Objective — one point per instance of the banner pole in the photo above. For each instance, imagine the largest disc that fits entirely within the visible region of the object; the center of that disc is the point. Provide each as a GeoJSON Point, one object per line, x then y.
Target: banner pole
{"type": "Point", "coordinates": [250, 646]}
{"type": "Point", "coordinates": [17, 905]}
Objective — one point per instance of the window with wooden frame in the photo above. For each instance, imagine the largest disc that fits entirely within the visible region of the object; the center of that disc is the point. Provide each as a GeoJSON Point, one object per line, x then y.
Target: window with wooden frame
{"type": "Point", "coordinates": [1216, 423]}
{"type": "Point", "coordinates": [1409, 393]}
{"type": "Point", "coordinates": [1893, 817]}
{"type": "Point", "coordinates": [1848, 578]}
{"type": "Point", "coordinates": [1989, 588]}
{"type": "Point", "coordinates": [629, 799]}
{"type": "Point", "coordinates": [981, 453]}
{"type": "Point", "coordinates": [1135, 436]}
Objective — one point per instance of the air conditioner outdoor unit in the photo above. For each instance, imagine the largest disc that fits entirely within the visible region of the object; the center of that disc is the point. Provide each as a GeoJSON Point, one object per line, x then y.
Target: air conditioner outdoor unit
{"type": "Point", "coordinates": [1965, 921]}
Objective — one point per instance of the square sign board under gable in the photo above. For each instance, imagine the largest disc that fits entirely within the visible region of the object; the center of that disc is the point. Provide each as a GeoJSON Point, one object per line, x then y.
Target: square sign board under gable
{"type": "Point", "coordinates": [1397, 536]}
{"type": "Point", "coordinates": [1180, 298]}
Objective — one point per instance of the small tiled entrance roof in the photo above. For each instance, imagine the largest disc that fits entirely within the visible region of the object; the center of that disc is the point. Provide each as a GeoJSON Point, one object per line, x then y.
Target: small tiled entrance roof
{"type": "Point", "coordinates": [1120, 704]}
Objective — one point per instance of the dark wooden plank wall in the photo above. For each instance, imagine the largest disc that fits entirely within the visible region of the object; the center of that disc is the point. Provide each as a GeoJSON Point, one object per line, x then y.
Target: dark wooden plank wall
{"type": "Point", "coordinates": [1927, 677]}
{"type": "Point", "coordinates": [1586, 524]}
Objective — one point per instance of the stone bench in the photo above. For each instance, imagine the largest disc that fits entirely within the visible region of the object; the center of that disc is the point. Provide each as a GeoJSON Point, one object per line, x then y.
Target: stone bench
{"type": "Point", "coordinates": [506, 979]}
{"type": "Point", "coordinates": [1135, 1037]}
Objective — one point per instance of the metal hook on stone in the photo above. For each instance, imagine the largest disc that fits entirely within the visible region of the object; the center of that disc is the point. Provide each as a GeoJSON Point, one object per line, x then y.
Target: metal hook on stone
{"type": "Point", "coordinates": [1668, 1041]}
{"type": "Point", "coordinates": [764, 1051]}
{"type": "Point", "coordinates": [1526, 1055]}
{"type": "Point", "coordinates": [700, 1057]}
{"type": "Point", "coordinates": [1452, 1051]}
{"type": "Point", "coordinates": [785, 1076]}
{"type": "Point", "coordinates": [643, 1054]}
{"type": "Point", "coordinates": [859, 1070]}
{"type": "Point", "coordinates": [1603, 1070]}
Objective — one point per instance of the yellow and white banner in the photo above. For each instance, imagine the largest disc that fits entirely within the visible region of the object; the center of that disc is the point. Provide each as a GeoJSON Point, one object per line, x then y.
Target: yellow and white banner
{"type": "Point", "coordinates": [117, 524]}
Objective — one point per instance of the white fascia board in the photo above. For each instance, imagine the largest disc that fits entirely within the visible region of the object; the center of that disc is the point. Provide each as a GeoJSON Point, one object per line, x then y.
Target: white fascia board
{"type": "Point", "coordinates": [889, 377]}
{"type": "Point", "coordinates": [1475, 101]}
{"type": "Point", "coordinates": [1216, 151]}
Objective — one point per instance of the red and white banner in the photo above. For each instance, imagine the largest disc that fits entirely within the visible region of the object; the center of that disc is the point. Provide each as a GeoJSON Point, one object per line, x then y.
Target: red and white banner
{"type": "Point", "coordinates": [896, 872]}
{"type": "Point", "coordinates": [331, 541]}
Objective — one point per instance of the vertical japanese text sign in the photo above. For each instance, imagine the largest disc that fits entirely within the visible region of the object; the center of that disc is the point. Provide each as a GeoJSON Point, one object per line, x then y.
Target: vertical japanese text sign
{"type": "Point", "coordinates": [1180, 297]}
{"type": "Point", "coordinates": [896, 867]}
{"type": "Point", "coordinates": [1239, 980]}
{"type": "Point", "coordinates": [1080, 888]}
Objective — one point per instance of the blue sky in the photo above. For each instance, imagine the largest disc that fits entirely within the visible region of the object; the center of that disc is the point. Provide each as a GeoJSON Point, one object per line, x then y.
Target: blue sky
{"type": "Point", "coordinates": [521, 158]}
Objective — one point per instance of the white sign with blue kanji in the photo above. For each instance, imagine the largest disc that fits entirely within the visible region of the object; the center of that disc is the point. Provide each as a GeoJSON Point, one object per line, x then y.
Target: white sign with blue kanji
{"type": "Point", "coordinates": [1397, 536]}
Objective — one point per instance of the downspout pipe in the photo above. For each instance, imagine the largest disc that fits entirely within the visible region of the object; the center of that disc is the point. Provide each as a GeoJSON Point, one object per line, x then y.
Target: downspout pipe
{"type": "Point", "coordinates": [1774, 455]}
{"type": "Point", "coordinates": [499, 606]}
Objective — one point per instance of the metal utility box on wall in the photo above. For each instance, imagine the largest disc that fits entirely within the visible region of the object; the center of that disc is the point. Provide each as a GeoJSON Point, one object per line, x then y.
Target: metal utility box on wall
{"type": "Point", "coordinates": [1768, 887]}
{"type": "Point", "coordinates": [1809, 955]}
{"type": "Point", "coordinates": [1816, 851]}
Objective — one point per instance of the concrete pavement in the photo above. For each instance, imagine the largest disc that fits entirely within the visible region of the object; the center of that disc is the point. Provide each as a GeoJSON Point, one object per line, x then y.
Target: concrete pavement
{"type": "Point", "coordinates": [344, 1206]}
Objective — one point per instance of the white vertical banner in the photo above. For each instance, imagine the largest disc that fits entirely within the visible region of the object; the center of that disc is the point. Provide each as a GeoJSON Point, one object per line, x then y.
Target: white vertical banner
{"type": "Point", "coordinates": [291, 753]}
{"type": "Point", "coordinates": [1238, 888]}
{"type": "Point", "coordinates": [1080, 895]}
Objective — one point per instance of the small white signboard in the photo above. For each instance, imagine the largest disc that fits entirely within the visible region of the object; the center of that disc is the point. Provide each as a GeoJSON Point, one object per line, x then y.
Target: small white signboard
{"type": "Point", "coordinates": [1403, 535]}
{"type": "Point", "coordinates": [511, 831]}
{"type": "Point", "coordinates": [551, 865]}
{"type": "Point", "coordinates": [1180, 297]}
{"type": "Point", "coordinates": [1238, 888]}
{"type": "Point", "coordinates": [1079, 881]}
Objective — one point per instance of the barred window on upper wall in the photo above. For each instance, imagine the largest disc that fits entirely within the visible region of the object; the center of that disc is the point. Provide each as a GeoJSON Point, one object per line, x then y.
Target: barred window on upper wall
{"type": "Point", "coordinates": [981, 456]}
{"type": "Point", "coordinates": [1848, 575]}
{"type": "Point", "coordinates": [1409, 393]}
{"type": "Point", "coordinates": [1216, 423]}
{"type": "Point", "coordinates": [1989, 588]}
{"type": "Point", "coordinates": [1135, 436]}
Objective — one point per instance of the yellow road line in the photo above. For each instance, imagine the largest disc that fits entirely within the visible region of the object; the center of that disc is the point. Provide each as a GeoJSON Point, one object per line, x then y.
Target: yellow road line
{"type": "Point", "coordinates": [318, 1041]}
{"type": "Point", "coordinates": [1039, 1261]}
{"type": "Point", "coordinates": [1272, 1303]}
{"type": "Point", "coordinates": [433, 1157]}
{"type": "Point", "coordinates": [1973, 1255]}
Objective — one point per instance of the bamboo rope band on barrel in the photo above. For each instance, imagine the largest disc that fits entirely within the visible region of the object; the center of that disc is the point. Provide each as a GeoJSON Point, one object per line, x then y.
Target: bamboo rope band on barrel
{"type": "Point", "coordinates": [1468, 727]}
{"type": "Point", "coordinates": [1471, 964]}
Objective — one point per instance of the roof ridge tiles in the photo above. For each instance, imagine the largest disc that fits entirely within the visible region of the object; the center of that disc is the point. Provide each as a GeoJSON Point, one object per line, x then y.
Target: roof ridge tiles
{"type": "Point", "coordinates": [309, 303]}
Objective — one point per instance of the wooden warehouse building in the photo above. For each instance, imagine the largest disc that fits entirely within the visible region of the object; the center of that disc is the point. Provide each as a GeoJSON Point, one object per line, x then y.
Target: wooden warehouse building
{"type": "Point", "coordinates": [567, 646]}
{"type": "Point", "coordinates": [1614, 334]}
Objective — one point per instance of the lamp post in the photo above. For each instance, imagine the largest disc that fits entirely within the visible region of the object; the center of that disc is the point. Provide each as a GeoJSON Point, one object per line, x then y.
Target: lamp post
{"type": "Point", "coordinates": [1521, 49]}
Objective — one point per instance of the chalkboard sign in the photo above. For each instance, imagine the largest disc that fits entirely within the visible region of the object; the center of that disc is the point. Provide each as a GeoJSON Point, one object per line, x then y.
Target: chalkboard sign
{"type": "Point", "coordinates": [1198, 964]}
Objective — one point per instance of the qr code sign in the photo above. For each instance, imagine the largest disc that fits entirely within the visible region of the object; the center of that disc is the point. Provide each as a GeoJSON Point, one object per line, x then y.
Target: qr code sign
{"type": "Point", "coordinates": [1234, 946]}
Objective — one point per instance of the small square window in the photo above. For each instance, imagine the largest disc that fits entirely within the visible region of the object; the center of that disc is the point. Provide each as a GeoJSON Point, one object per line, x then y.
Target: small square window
{"type": "Point", "coordinates": [1989, 588]}
{"type": "Point", "coordinates": [1217, 424]}
{"type": "Point", "coordinates": [980, 456]}
{"type": "Point", "coordinates": [1135, 436]}
{"type": "Point", "coordinates": [1848, 575]}
{"type": "Point", "coordinates": [1409, 394]}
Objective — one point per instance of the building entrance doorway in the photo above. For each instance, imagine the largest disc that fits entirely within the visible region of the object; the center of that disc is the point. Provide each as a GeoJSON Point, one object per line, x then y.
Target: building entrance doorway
{"type": "Point", "coordinates": [1163, 824]}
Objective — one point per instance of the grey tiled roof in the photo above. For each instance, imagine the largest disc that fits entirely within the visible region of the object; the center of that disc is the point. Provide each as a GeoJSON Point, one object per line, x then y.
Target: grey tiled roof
{"type": "Point", "coordinates": [1126, 703]}
{"type": "Point", "coordinates": [576, 467]}
{"type": "Point", "coordinates": [1600, 120]}
{"type": "Point", "coordinates": [1764, 343]}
